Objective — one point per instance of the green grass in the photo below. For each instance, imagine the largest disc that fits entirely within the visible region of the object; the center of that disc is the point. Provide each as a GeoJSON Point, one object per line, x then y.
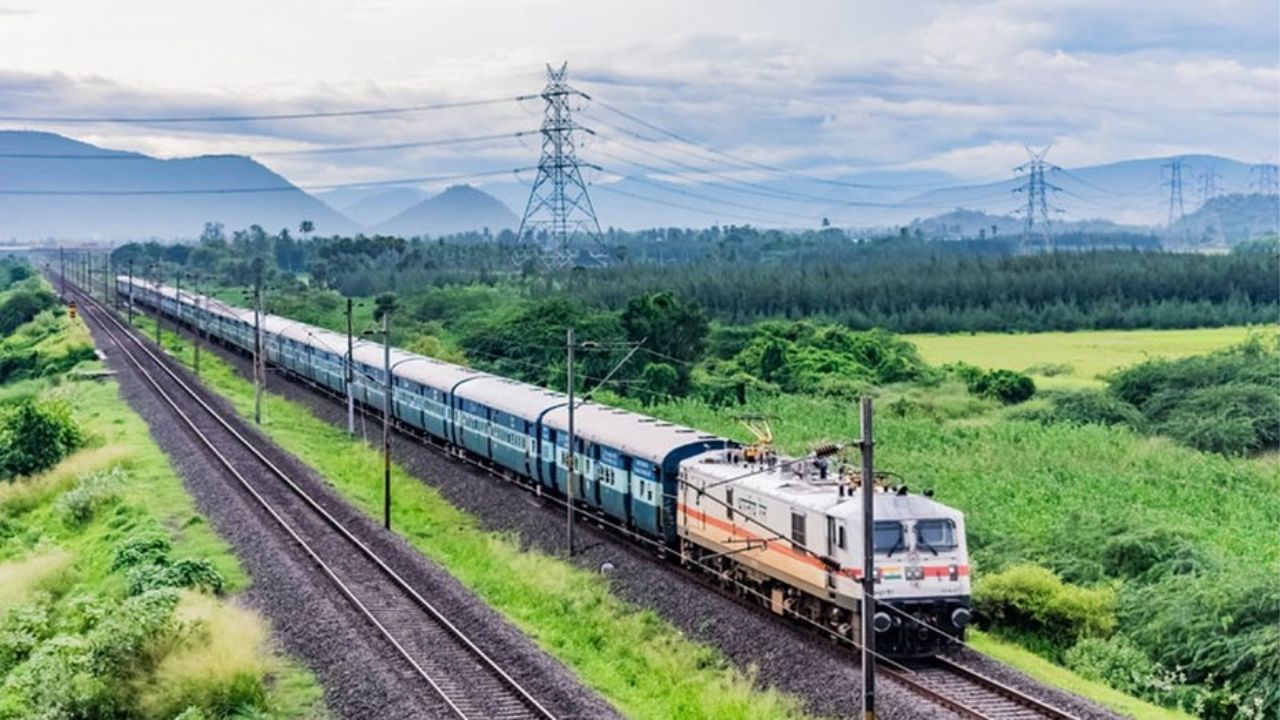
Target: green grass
{"type": "Point", "coordinates": [1088, 353]}
{"type": "Point", "coordinates": [632, 657]}
{"type": "Point", "coordinates": [67, 562]}
{"type": "Point", "coordinates": [1048, 673]}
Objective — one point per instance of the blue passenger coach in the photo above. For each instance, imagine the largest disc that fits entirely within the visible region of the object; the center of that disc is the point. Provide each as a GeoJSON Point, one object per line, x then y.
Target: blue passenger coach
{"type": "Point", "coordinates": [628, 465]}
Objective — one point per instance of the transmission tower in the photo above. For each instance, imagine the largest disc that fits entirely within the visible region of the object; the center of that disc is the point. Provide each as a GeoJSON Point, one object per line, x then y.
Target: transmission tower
{"type": "Point", "coordinates": [1266, 179]}
{"type": "Point", "coordinates": [1209, 185]}
{"type": "Point", "coordinates": [559, 217]}
{"type": "Point", "coordinates": [1173, 180]}
{"type": "Point", "coordinates": [1037, 212]}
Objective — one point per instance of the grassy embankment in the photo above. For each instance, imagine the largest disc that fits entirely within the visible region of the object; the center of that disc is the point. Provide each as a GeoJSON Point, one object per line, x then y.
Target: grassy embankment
{"type": "Point", "coordinates": [1062, 360]}
{"type": "Point", "coordinates": [65, 597]}
{"type": "Point", "coordinates": [635, 659]}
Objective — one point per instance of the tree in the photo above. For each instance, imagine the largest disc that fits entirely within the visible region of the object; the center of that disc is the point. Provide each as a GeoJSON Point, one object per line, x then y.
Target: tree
{"type": "Point", "coordinates": [673, 329]}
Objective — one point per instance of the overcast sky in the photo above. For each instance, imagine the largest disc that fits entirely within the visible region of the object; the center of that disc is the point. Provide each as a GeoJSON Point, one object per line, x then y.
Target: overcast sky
{"type": "Point", "coordinates": [833, 87]}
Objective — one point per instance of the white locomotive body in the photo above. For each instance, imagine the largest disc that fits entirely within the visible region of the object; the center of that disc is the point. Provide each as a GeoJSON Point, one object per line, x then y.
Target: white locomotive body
{"type": "Point", "coordinates": [792, 530]}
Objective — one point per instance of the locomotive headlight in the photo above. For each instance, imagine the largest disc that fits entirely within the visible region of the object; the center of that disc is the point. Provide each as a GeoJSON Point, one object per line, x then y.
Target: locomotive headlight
{"type": "Point", "coordinates": [961, 617]}
{"type": "Point", "coordinates": [954, 572]}
{"type": "Point", "coordinates": [881, 622]}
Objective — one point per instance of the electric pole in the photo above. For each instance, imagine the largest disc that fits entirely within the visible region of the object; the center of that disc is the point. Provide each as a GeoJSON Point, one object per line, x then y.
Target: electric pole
{"type": "Point", "coordinates": [195, 281]}
{"type": "Point", "coordinates": [62, 272]}
{"type": "Point", "coordinates": [1037, 223]}
{"type": "Point", "coordinates": [350, 376]}
{"type": "Point", "coordinates": [386, 419]}
{"type": "Point", "coordinates": [1173, 170]}
{"type": "Point", "coordinates": [130, 301]}
{"type": "Point", "coordinates": [569, 457]}
{"type": "Point", "coordinates": [867, 446]}
{"type": "Point", "coordinates": [559, 214]}
{"type": "Point", "coordinates": [155, 283]}
{"type": "Point", "coordinates": [257, 344]}
{"type": "Point", "coordinates": [177, 306]}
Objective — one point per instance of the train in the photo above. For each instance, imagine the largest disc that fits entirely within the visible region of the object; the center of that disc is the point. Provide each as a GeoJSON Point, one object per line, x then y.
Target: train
{"type": "Point", "coordinates": [783, 532]}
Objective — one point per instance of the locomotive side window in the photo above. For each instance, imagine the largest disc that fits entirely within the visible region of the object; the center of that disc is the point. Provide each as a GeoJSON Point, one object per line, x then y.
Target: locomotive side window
{"type": "Point", "coordinates": [889, 538]}
{"type": "Point", "coordinates": [936, 535]}
{"type": "Point", "coordinates": [797, 529]}
{"type": "Point", "coordinates": [840, 536]}
{"type": "Point", "coordinates": [728, 502]}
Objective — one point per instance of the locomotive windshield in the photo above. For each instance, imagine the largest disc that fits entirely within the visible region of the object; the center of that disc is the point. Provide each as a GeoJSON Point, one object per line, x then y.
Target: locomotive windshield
{"type": "Point", "coordinates": [889, 538]}
{"type": "Point", "coordinates": [935, 535]}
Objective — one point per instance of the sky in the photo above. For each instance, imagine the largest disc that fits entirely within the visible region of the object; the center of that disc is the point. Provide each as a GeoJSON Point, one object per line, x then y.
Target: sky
{"type": "Point", "coordinates": [922, 90]}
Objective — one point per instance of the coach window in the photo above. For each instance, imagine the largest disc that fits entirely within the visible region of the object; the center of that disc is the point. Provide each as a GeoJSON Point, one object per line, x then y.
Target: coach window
{"type": "Point", "coordinates": [797, 529]}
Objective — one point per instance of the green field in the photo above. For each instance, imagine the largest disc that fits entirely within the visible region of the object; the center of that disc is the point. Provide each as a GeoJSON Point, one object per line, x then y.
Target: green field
{"type": "Point", "coordinates": [1086, 354]}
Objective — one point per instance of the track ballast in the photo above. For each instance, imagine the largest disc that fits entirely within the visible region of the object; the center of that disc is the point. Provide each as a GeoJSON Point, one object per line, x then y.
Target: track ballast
{"type": "Point", "coordinates": [469, 682]}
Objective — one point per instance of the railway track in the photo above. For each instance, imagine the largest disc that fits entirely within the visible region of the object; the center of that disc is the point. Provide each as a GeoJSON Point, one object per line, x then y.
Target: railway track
{"type": "Point", "coordinates": [940, 681]}
{"type": "Point", "coordinates": [469, 682]}
{"type": "Point", "coordinates": [971, 694]}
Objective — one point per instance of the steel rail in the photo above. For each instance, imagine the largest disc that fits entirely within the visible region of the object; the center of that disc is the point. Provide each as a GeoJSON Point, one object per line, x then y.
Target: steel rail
{"type": "Point", "coordinates": [93, 306]}
{"type": "Point", "coordinates": [898, 672]}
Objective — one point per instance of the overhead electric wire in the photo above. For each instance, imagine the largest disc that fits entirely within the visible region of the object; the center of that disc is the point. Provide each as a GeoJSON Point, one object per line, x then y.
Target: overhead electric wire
{"type": "Point", "coordinates": [331, 150]}
{"type": "Point", "coordinates": [678, 206]}
{"type": "Point", "coordinates": [367, 112]}
{"type": "Point", "coordinates": [668, 187]}
{"type": "Point", "coordinates": [274, 189]}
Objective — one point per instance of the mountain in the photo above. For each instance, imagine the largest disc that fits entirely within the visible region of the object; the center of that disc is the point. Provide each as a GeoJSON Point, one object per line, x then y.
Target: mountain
{"type": "Point", "coordinates": [132, 196]}
{"type": "Point", "coordinates": [370, 206]}
{"type": "Point", "coordinates": [458, 209]}
{"type": "Point", "coordinates": [1132, 192]}
{"type": "Point", "coordinates": [1228, 220]}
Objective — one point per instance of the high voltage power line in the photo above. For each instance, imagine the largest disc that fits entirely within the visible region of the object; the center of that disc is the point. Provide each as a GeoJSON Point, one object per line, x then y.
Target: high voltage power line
{"type": "Point", "coordinates": [272, 189]}
{"type": "Point", "coordinates": [177, 119]}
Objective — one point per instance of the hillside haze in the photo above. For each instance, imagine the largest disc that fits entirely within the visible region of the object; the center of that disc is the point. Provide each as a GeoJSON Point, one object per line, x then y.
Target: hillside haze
{"type": "Point", "coordinates": [458, 209]}
{"type": "Point", "coordinates": [169, 203]}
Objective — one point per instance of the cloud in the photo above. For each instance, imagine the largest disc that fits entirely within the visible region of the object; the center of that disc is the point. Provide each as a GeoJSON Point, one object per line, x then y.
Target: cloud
{"type": "Point", "coordinates": [823, 87]}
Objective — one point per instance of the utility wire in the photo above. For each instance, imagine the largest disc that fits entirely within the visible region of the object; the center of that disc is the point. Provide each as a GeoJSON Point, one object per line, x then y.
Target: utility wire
{"type": "Point", "coordinates": [147, 120]}
{"type": "Point", "coordinates": [332, 150]}
{"type": "Point", "coordinates": [247, 191]}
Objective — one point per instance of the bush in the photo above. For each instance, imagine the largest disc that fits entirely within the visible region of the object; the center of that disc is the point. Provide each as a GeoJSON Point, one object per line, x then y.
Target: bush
{"type": "Point", "coordinates": [1007, 386]}
{"type": "Point", "coordinates": [23, 305]}
{"type": "Point", "coordinates": [1031, 600]}
{"type": "Point", "coordinates": [142, 549]}
{"type": "Point", "coordinates": [1093, 407]}
{"type": "Point", "coordinates": [185, 573]}
{"type": "Point", "coordinates": [1117, 662]}
{"type": "Point", "coordinates": [35, 436]}
{"type": "Point", "coordinates": [1231, 419]}
{"type": "Point", "coordinates": [1150, 554]}
{"type": "Point", "coordinates": [92, 492]}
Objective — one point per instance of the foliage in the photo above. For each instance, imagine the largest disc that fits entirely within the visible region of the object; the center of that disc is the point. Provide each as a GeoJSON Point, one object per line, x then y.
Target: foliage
{"type": "Point", "coordinates": [1117, 662]}
{"type": "Point", "coordinates": [91, 493]}
{"type": "Point", "coordinates": [34, 436]}
{"type": "Point", "coordinates": [1007, 386]}
{"type": "Point", "coordinates": [670, 329]}
{"type": "Point", "coordinates": [1223, 402]}
{"type": "Point", "coordinates": [20, 305]}
{"type": "Point", "coordinates": [1094, 407]}
{"type": "Point", "coordinates": [1033, 600]}
{"type": "Point", "coordinates": [184, 573]}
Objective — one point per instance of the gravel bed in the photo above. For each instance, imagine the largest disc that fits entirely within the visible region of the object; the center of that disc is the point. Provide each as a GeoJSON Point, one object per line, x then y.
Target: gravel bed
{"type": "Point", "coordinates": [362, 676]}
{"type": "Point", "coordinates": [779, 656]}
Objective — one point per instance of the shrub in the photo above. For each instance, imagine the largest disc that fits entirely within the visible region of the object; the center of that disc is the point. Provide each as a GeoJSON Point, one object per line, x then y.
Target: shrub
{"type": "Point", "coordinates": [216, 665]}
{"type": "Point", "coordinates": [142, 549]}
{"type": "Point", "coordinates": [92, 492]}
{"type": "Point", "coordinates": [1031, 600]}
{"type": "Point", "coordinates": [1007, 386]}
{"type": "Point", "coordinates": [1093, 407]}
{"type": "Point", "coordinates": [1150, 554]}
{"type": "Point", "coordinates": [1115, 661]}
{"type": "Point", "coordinates": [1050, 369]}
{"type": "Point", "coordinates": [185, 573]}
{"type": "Point", "coordinates": [1231, 419]}
{"type": "Point", "coordinates": [35, 435]}
{"type": "Point", "coordinates": [23, 629]}
{"type": "Point", "coordinates": [23, 305]}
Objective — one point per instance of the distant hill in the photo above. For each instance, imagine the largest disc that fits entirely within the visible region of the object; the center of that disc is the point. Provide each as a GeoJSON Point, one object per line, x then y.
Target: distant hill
{"type": "Point", "coordinates": [371, 206]}
{"type": "Point", "coordinates": [172, 204]}
{"type": "Point", "coordinates": [458, 209]}
{"type": "Point", "coordinates": [1229, 220]}
{"type": "Point", "coordinates": [1129, 192]}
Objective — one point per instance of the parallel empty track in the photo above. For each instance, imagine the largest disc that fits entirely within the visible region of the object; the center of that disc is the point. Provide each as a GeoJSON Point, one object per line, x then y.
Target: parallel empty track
{"type": "Point", "coordinates": [971, 694]}
{"type": "Point", "coordinates": [468, 681]}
